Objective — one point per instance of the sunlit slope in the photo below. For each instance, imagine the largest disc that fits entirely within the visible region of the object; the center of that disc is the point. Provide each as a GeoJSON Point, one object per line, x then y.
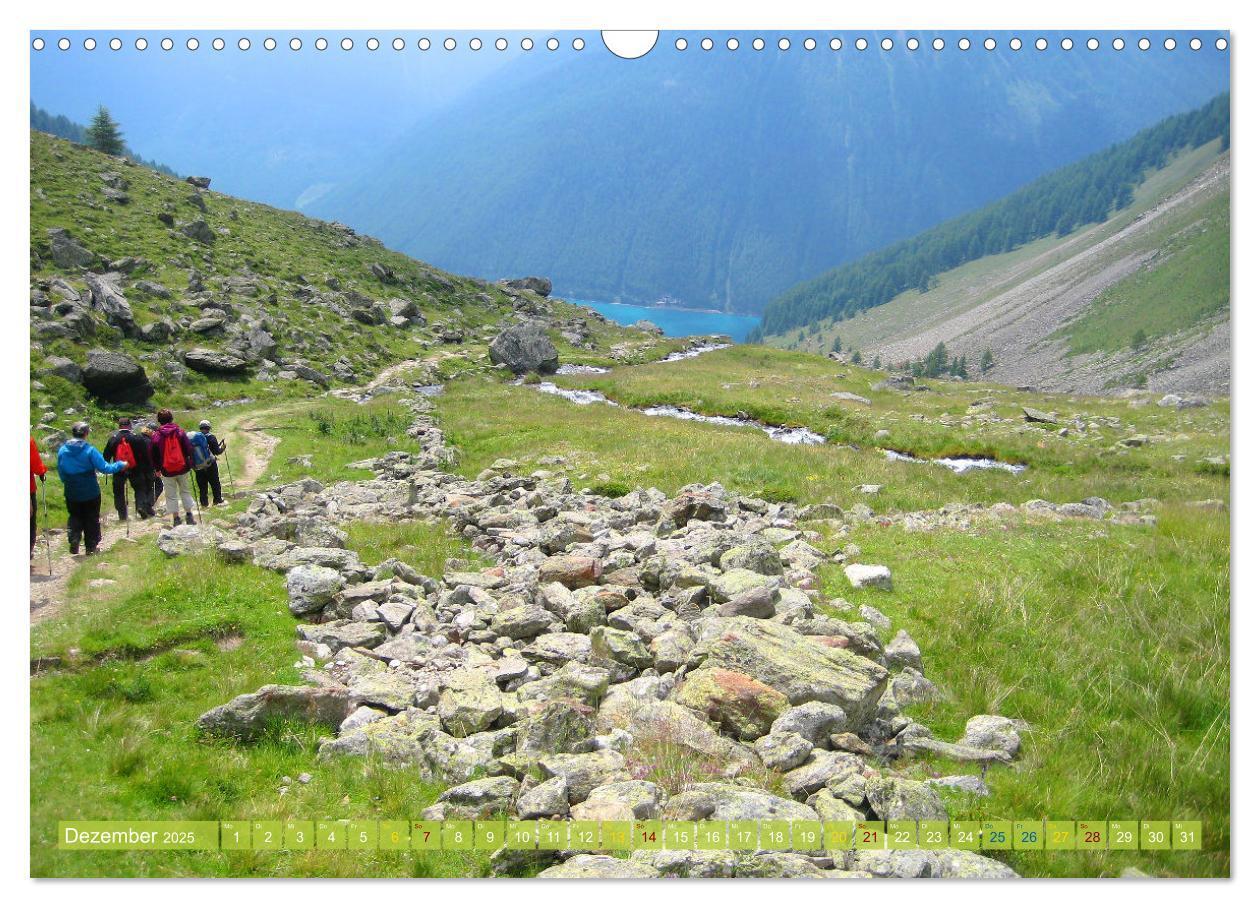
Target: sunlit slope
{"type": "Point", "coordinates": [1064, 313]}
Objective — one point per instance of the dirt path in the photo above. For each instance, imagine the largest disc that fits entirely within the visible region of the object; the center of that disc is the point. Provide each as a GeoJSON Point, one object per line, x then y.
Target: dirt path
{"type": "Point", "coordinates": [252, 448]}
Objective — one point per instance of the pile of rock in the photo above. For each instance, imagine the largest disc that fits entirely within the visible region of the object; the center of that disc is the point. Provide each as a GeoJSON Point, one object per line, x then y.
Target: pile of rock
{"type": "Point", "coordinates": [624, 658]}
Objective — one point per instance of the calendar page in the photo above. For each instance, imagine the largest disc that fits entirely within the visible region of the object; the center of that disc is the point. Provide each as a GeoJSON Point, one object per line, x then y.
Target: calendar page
{"type": "Point", "coordinates": [794, 453]}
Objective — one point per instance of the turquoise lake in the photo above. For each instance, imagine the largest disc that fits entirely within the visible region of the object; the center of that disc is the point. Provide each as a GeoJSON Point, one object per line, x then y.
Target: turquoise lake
{"type": "Point", "coordinates": [677, 322]}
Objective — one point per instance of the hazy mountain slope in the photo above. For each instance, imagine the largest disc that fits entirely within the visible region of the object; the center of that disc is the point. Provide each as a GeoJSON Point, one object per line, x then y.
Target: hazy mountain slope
{"type": "Point", "coordinates": [217, 298]}
{"type": "Point", "coordinates": [721, 179]}
{"type": "Point", "coordinates": [64, 128]}
{"type": "Point", "coordinates": [1063, 313]}
{"type": "Point", "coordinates": [1084, 192]}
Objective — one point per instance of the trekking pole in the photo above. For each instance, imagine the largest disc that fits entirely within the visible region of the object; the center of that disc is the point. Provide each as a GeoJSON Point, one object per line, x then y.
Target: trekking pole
{"type": "Point", "coordinates": [126, 505]}
{"type": "Point", "coordinates": [196, 496]}
{"type": "Point", "coordinates": [43, 495]}
{"type": "Point", "coordinates": [228, 463]}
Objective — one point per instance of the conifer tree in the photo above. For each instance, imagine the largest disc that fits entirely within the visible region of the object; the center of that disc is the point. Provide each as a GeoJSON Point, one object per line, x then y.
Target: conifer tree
{"type": "Point", "coordinates": [104, 134]}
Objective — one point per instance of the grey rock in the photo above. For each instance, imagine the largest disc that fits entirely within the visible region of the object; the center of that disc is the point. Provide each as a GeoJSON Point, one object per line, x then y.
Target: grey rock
{"type": "Point", "coordinates": [814, 722]}
{"type": "Point", "coordinates": [525, 348]}
{"type": "Point", "coordinates": [992, 733]}
{"type": "Point", "coordinates": [311, 587]}
{"type": "Point", "coordinates": [67, 252]}
{"type": "Point", "coordinates": [215, 362]}
{"type": "Point", "coordinates": [116, 378]}
{"type": "Point", "coordinates": [247, 716]}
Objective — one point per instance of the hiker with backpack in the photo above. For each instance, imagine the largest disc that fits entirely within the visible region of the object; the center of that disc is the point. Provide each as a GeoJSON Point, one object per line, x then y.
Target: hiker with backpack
{"type": "Point", "coordinates": [173, 457]}
{"type": "Point", "coordinates": [149, 434]}
{"type": "Point", "coordinates": [131, 448]}
{"type": "Point", "coordinates": [206, 451]}
{"type": "Point", "coordinates": [77, 465]}
{"type": "Point", "coordinates": [37, 470]}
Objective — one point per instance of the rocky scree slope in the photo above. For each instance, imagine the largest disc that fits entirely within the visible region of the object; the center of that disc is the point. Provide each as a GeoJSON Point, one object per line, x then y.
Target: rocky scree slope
{"type": "Point", "coordinates": [612, 637]}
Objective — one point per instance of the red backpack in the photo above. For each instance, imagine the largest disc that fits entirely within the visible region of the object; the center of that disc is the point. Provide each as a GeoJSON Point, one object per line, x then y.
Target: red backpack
{"type": "Point", "coordinates": [124, 453]}
{"type": "Point", "coordinates": [173, 462]}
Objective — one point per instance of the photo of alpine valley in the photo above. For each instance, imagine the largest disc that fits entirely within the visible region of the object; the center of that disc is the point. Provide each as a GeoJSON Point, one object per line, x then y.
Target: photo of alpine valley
{"type": "Point", "coordinates": [813, 428]}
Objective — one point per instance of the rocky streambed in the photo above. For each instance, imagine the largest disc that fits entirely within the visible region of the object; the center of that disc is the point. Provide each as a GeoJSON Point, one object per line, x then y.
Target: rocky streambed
{"type": "Point", "coordinates": [624, 658]}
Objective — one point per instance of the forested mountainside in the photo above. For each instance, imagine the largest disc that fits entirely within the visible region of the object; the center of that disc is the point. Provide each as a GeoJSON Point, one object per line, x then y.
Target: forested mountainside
{"type": "Point", "coordinates": [1086, 192]}
{"type": "Point", "coordinates": [720, 180]}
{"type": "Point", "coordinates": [1141, 300]}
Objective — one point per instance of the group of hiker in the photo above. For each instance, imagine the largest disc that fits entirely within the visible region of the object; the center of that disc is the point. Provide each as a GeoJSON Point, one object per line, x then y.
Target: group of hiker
{"type": "Point", "coordinates": [145, 461]}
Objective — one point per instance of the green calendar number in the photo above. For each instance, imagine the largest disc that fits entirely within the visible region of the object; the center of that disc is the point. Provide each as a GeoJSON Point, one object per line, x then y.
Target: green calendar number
{"type": "Point", "coordinates": [267, 835]}
{"type": "Point", "coordinates": [741, 835]}
{"type": "Point", "coordinates": [1156, 835]}
{"type": "Point", "coordinates": [299, 835]}
{"type": "Point", "coordinates": [457, 835]}
{"type": "Point", "coordinates": [680, 835]}
{"type": "Point", "coordinates": [933, 834]}
{"type": "Point", "coordinates": [1187, 835]}
{"type": "Point", "coordinates": [711, 835]}
{"type": "Point", "coordinates": [776, 835]}
{"type": "Point", "coordinates": [1091, 835]}
{"type": "Point", "coordinates": [903, 834]}
{"type": "Point", "coordinates": [1060, 835]}
{"type": "Point", "coordinates": [330, 835]}
{"type": "Point", "coordinates": [361, 835]}
{"type": "Point", "coordinates": [234, 835]}
{"type": "Point", "coordinates": [393, 835]}
{"type": "Point", "coordinates": [584, 835]}
{"type": "Point", "coordinates": [426, 835]}
{"type": "Point", "coordinates": [870, 836]}
{"type": "Point", "coordinates": [806, 835]}
{"type": "Point", "coordinates": [553, 835]}
{"type": "Point", "coordinates": [489, 835]}
{"type": "Point", "coordinates": [966, 835]}
{"type": "Point", "coordinates": [1122, 835]}
{"type": "Point", "coordinates": [617, 835]}
{"type": "Point", "coordinates": [521, 835]}
{"type": "Point", "coordinates": [1029, 835]}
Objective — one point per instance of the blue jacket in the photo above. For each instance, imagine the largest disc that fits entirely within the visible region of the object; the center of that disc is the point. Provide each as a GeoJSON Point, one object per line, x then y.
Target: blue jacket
{"type": "Point", "coordinates": [77, 465]}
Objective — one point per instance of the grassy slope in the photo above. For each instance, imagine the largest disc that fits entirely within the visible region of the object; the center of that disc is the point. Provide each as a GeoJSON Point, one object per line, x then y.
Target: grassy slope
{"type": "Point", "coordinates": [488, 420]}
{"type": "Point", "coordinates": [1187, 284]}
{"type": "Point", "coordinates": [285, 250]}
{"type": "Point", "coordinates": [975, 282]}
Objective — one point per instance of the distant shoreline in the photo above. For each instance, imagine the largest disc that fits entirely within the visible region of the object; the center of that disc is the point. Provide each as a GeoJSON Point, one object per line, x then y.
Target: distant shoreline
{"type": "Point", "coordinates": [581, 302]}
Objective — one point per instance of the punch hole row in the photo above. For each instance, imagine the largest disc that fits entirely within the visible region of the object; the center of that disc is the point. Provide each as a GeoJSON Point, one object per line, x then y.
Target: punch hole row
{"type": "Point", "coordinates": [578, 44]}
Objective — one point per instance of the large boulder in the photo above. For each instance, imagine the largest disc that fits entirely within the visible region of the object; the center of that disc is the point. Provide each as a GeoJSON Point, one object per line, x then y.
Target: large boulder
{"type": "Point", "coordinates": [188, 539]}
{"type": "Point", "coordinates": [802, 668]}
{"type": "Point", "coordinates": [215, 362]}
{"type": "Point", "coordinates": [105, 296]}
{"type": "Point", "coordinates": [311, 587]}
{"type": "Point", "coordinates": [740, 705]}
{"type": "Point", "coordinates": [198, 230]}
{"type": "Point", "coordinates": [248, 716]}
{"type": "Point", "coordinates": [539, 285]}
{"type": "Point", "coordinates": [67, 252]}
{"type": "Point", "coordinates": [722, 801]}
{"type": "Point", "coordinates": [116, 378]}
{"type": "Point", "coordinates": [903, 799]}
{"type": "Point", "coordinates": [525, 348]}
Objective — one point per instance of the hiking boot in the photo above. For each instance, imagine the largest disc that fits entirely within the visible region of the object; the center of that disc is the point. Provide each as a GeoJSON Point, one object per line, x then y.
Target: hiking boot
{"type": "Point", "coordinates": [188, 519]}
{"type": "Point", "coordinates": [177, 521]}
{"type": "Point", "coordinates": [74, 550]}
